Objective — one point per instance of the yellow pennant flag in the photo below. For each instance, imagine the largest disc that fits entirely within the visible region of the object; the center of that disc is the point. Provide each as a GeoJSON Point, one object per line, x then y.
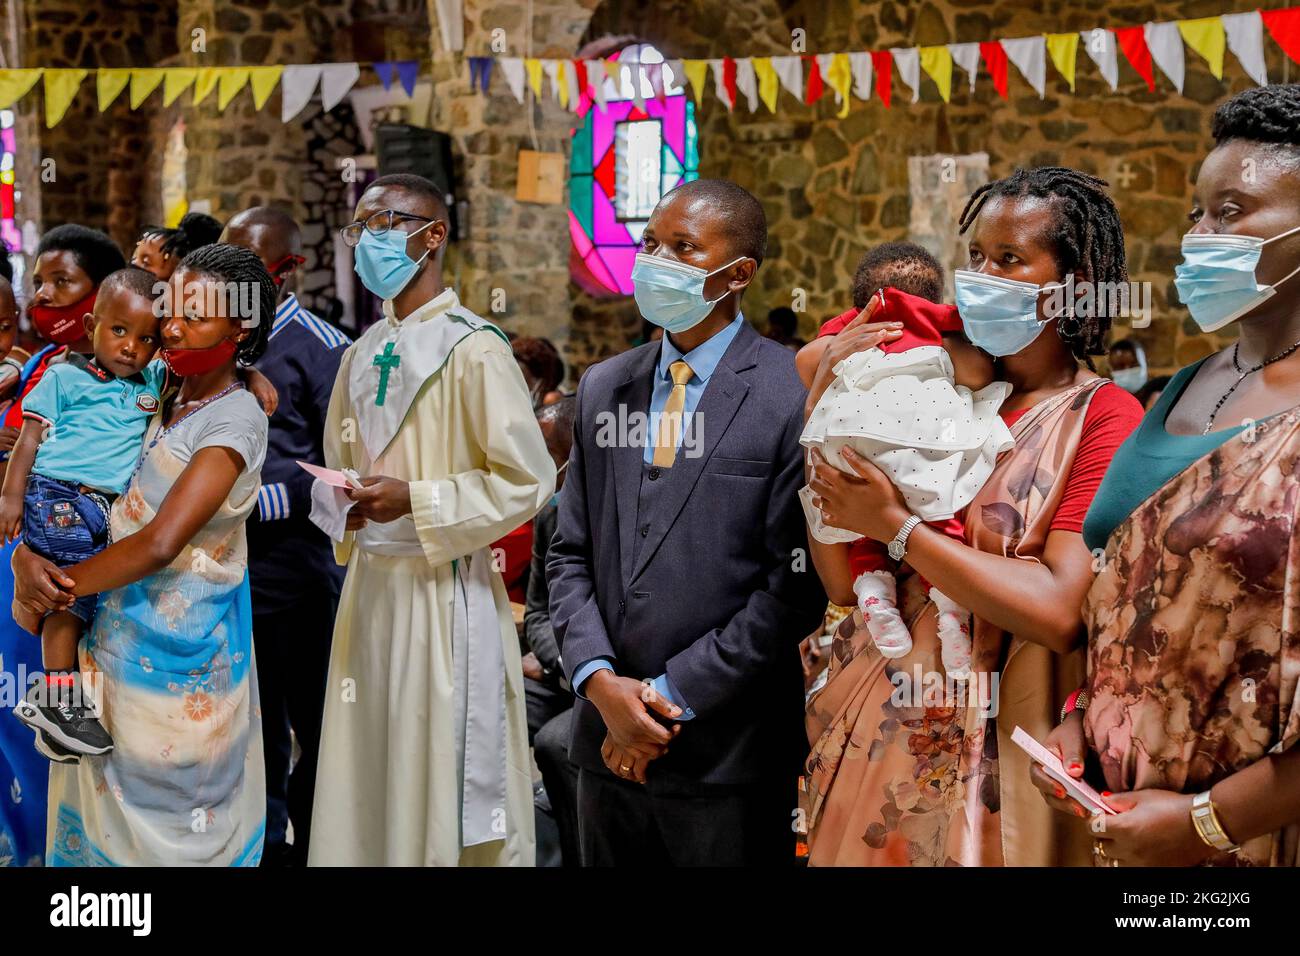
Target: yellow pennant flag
{"type": "Point", "coordinates": [840, 78]}
{"type": "Point", "coordinates": [233, 79]}
{"type": "Point", "coordinates": [144, 82]}
{"type": "Point", "coordinates": [60, 87]}
{"type": "Point", "coordinates": [937, 63]}
{"type": "Point", "coordinates": [205, 82]}
{"type": "Point", "coordinates": [175, 82]}
{"type": "Point", "coordinates": [1206, 37]}
{"type": "Point", "coordinates": [14, 84]}
{"type": "Point", "coordinates": [534, 68]}
{"type": "Point", "coordinates": [1063, 48]}
{"type": "Point", "coordinates": [263, 79]}
{"type": "Point", "coordinates": [109, 84]}
{"type": "Point", "coordinates": [696, 71]}
{"type": "Point", "coordinates": [768, 84]}
{"type": "Point", "coordinates": [614, 70]}
{"type": "Point", "coordinates": [562, 83]}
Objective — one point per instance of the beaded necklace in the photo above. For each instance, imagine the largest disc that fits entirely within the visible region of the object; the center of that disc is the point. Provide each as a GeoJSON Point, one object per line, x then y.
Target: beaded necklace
{"type": "Point", "coordinates": [1242, 377]}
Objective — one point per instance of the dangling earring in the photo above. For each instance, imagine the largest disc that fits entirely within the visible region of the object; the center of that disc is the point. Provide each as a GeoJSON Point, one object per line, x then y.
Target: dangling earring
{"type": "Point", "coordinates": [1069, 327]}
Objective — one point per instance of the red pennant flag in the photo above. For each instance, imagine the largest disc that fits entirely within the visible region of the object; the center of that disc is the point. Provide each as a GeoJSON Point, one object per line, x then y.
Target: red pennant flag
{"type": "Point", "coordinates": [995, 58]}
{"type": "Point", "coordinates": [1133, 41]}
{"type": "Point", "coordinates": [882, 65]}
{"type": "Point", "coordinates": [1284, 26]}
{"type": "Point", "coordinates": [729, 79]}
{"type": "Point", "coordinates": [813, 92]}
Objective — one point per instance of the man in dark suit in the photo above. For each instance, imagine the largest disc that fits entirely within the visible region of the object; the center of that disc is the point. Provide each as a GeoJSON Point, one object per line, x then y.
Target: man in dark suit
{"type": "Point", "coordinates": [679, 572]}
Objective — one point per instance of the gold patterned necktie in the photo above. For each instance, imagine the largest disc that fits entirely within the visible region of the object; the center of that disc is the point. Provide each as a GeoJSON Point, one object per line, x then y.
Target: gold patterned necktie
{"type": "Point", "coordinates": [670, 420]}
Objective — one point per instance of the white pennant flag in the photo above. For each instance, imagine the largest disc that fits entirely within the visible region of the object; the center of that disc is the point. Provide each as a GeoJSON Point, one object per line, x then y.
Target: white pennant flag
{"type": "Point", "coordinates": [860, 67]}
{"type": "Point", "coordinates": [575, 89]}
{"type": "Point", "coordinates": [908, 62]}
{"type": "Point", "coordinates": [1029, 54]}
{"type": "Point", "coordinates": [720, 87]}
{"type": "Point", "coordinates": [638, 97]}
{"type": "Point", "coordinates": [596, 77]}
{"type": "Point", "coordinates": [1100, 44]}
{"type": "Point", "coordinates": [789, 70]}
{"type": "Point", "coordinates": [966, 56]}
{"type": "Point", "coordinates": [1246, 40]}
{"type": "Point", "coordinates": [824, 61]}
{"type": "Point", "coordinates": [1166, 45]}
{"type": "Point", "coordinates": [335, 81]}
{"type": "Point", "coordinates": [747, 81]}
{"type": "Point", "coordinates": [512, 68]}
{"type": "Point", "coordinates": [551, 69]}
{"type": "Point", "coordinates": [451, 23]}
{"type": "Point", "coordinates": [297, 84]}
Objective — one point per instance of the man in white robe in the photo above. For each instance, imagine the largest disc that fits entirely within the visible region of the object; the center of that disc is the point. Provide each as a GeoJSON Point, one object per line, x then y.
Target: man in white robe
{"type": "Point", "coordinates": [424, 751]}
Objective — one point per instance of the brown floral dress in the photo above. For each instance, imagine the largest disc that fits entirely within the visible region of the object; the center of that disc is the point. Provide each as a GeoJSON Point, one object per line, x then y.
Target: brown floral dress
{"type": "Point", "coordinates": [1194, 624]}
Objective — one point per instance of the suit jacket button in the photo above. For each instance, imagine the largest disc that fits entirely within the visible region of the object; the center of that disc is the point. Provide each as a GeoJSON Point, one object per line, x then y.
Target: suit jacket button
{"type": "Point", "coordinates": [654, 474]}
{"type": "Point", "coordinates": [622, 606]}
{"type": "Point", "coordinates": [645, 530]}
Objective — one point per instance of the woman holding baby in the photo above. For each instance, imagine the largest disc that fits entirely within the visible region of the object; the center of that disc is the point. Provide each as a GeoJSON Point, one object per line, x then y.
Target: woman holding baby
{"type": "Point", "coordinates": [170, 650]}
{"type": "Point", "coordinates": [904, 779]}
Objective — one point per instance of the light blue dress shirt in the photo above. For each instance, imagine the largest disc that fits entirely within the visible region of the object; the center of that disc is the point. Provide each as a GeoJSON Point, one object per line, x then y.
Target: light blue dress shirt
{"type": "Point", "coordinates": [703, 360]}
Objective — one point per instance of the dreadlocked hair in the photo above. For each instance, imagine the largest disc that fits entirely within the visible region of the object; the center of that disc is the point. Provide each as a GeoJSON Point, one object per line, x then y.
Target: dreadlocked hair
{"type": "Point", "coordinates": [242, 271]}
{"type": "Point", "coordinates": [194, 231]}
{"type": "Point", "coordinates": [1086, 232]}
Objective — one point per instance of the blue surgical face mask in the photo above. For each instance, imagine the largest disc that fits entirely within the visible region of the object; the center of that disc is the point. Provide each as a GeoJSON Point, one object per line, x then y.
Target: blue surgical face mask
{"type": "Point", "coordinates": [1129, 379]}
{"type": "Point", "coordinates": [671, 294]}
{"type": "Point", "coordinates": [1216, 279]}
{"type": "Point", "coordinates": [1000, 316]}
{"type": "Point", "coordinates": [382, 263]}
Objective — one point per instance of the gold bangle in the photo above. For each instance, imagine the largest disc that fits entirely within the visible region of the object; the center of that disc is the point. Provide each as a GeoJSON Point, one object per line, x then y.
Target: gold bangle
{"type": "Point", "coordinates": [1207, 824]}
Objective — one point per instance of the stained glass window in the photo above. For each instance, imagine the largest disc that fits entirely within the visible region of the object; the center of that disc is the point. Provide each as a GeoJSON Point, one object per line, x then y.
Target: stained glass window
{"type": "Point", "coordinates": [9, 233]}
{"type": "Point", "coordinates": [624, 158]}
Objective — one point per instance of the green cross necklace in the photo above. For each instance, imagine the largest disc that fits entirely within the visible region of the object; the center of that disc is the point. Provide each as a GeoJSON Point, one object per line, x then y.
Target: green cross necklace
{"type": "Point", "coordinates": [386, 362]}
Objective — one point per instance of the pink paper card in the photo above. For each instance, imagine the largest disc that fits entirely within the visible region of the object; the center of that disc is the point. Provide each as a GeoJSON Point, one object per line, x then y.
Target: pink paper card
{"type": "Point", "coordinates": [337, 479]}
{"type": "Point", "coordinates": [1085, 794]}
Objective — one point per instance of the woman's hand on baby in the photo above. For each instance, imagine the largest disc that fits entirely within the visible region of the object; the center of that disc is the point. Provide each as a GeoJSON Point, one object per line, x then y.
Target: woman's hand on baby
{"type": "Point", "coordinates": [39, 585]}
{"type": "Point", "coordinates": [858, 336]}
{"type": "Point", "coordinates": [11, 517]}
{"type": "Point", "coordinates": [865, 502]}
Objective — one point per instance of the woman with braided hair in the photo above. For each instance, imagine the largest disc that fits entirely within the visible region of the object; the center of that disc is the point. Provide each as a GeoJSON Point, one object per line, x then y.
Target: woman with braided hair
{"type": "Point", "coordinates": [170, 651]}
{"type": "Point", "coordinates": [159, 250]}
{"type": "Point", "coordinates": [1191, 710]}
{"type": "Point", "coordinates": [909, 768]}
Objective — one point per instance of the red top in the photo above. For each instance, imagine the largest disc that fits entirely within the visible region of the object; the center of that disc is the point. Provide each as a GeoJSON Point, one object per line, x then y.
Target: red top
{"type": "Point", "coordinates": [1112, 416]}
{"type": "Point", "coordinates": [518, 553]}
{"type": "Point", "coordinates": [14, 416]}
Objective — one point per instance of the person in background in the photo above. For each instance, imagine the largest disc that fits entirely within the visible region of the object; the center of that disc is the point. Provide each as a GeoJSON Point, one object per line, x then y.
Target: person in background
{"type": "Point", "coordinates": [1128, 365]}
{"type": "Point", "coordinates": [12, 357]}
{"type": "Point", "coordinates": [783, 327]}
{"type": "Point", "coordinates": [546, 692]}
{"type": "Point", "coordinates": [159, 249]}
{"type": "Point", "coordinates": [294, 578]}
{"type": "Point", "coordinates": [542, 366]}
{"type": "Point", "coordinates": [1150, 393]}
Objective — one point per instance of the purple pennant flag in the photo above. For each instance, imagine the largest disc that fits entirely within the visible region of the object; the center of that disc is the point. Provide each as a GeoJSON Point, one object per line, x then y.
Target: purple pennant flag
{"type": "Point", "coordinates": [407, 72]}
{"type": "Point", "coordinates": [480, 72]}
{"type": "Point", "coordinates": [385, 71]}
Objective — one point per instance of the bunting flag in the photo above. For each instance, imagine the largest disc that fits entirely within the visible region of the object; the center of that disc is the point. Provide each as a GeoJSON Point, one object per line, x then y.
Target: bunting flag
{"type": "Point", "coordinates": [1132, 41]}
{"type": "Point", "coordinates": [1206, 36]}
{"type": "Point", "coordinates": [1284, 28]}
{"type": "Point", "coordinates": [144, 82]}
{"type": "Point", "coordinates": [406, 71]}
{"type": "Point", "coordinates": [478, 69]}
{"type": "Point", "coordinates": [824, 61]}
{"type": "Point", "coordinates": [995, 61]}
{"type": "Point", "coordinates": [534, 68]}
{"type": "Point", "coordinates": [297, 84]}
{"type": "Point", "coordinates": [336, 79]}
{"type": "Point", "coordinates": [1029, 54]}
{"type": "Point", "coordinates": [15, 84]}
{"type": "Point", "coordinates": [177, 82]}
{"type": "Point", "coordinates": [696, 71]}
{"type": "Point", "coordinates": [768, 84]}
{"type": "Point", "coordinates": [596, 77]}
{"type": "Point", "coordinates": [1100, 45]}
{"type": "Point", "coordinates": [1245, 35]}
{"type": "Point", "coordinates": [228, 86]}
{"type": "Point", "coordinates": [109, 85]}
{"type": "Point", "coordinates": [908, 62]}
{"type": "Point", "coordinates": [937, 63]}
{"type": "Point", "coordinates": [729, 80]}
{"type": "Point", "coordinates": [204, 83]}
{"type": "Point", "coordinates": [60, 87]}
{"type": "Point", "coordinates": [747, 81]}
{"type": "Point", "coordinates": [576, 82]}
{"type": "Point", "coordinates": [261, 79]}
{"type": "Point", "coordinates": [720, 85]}
{"type": "Point", "coordinates": [966, 56]}
{"type": "Point", "coordinates": [559, 92]}
{"type": "Point", "coordinates": [580, 84]}
{"type": "Point", "coordinates": [883, 62]}
{"type": "Point", "coordinates": [1063, 48]}
{"type": "Point", "coordinates": [1166, 46]}
{"type": "Point", "coordinates": [813, 92]}
{"type": "Point", "coordinates": [840, 77]}
{"type": "Point", "coordinates": [860, 63]}
{"type": "Point", "coordinates": [789, 70]}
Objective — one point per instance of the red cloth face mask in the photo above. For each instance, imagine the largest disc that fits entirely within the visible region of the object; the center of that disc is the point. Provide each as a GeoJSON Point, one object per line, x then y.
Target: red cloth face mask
{"type": "Point", "coordinates": [186, 362]}
{"type": "Point", "coordinates": [62, 324]}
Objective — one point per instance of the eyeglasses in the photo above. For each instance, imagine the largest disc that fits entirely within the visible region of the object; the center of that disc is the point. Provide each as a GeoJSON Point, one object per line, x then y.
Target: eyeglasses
{"type": "Point", "coordinates": [377, 225]}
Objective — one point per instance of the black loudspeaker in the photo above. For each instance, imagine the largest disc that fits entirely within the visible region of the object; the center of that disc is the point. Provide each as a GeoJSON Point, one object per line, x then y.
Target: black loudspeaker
{"type": "Point", "coordinates": [424, 152]}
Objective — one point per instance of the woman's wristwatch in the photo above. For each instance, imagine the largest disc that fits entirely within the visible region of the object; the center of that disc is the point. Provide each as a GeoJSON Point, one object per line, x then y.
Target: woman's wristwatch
{"type": "Point", "coordinates": [1207, 824]}
{"type": "Point", "coordinates": [1076, 701]}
